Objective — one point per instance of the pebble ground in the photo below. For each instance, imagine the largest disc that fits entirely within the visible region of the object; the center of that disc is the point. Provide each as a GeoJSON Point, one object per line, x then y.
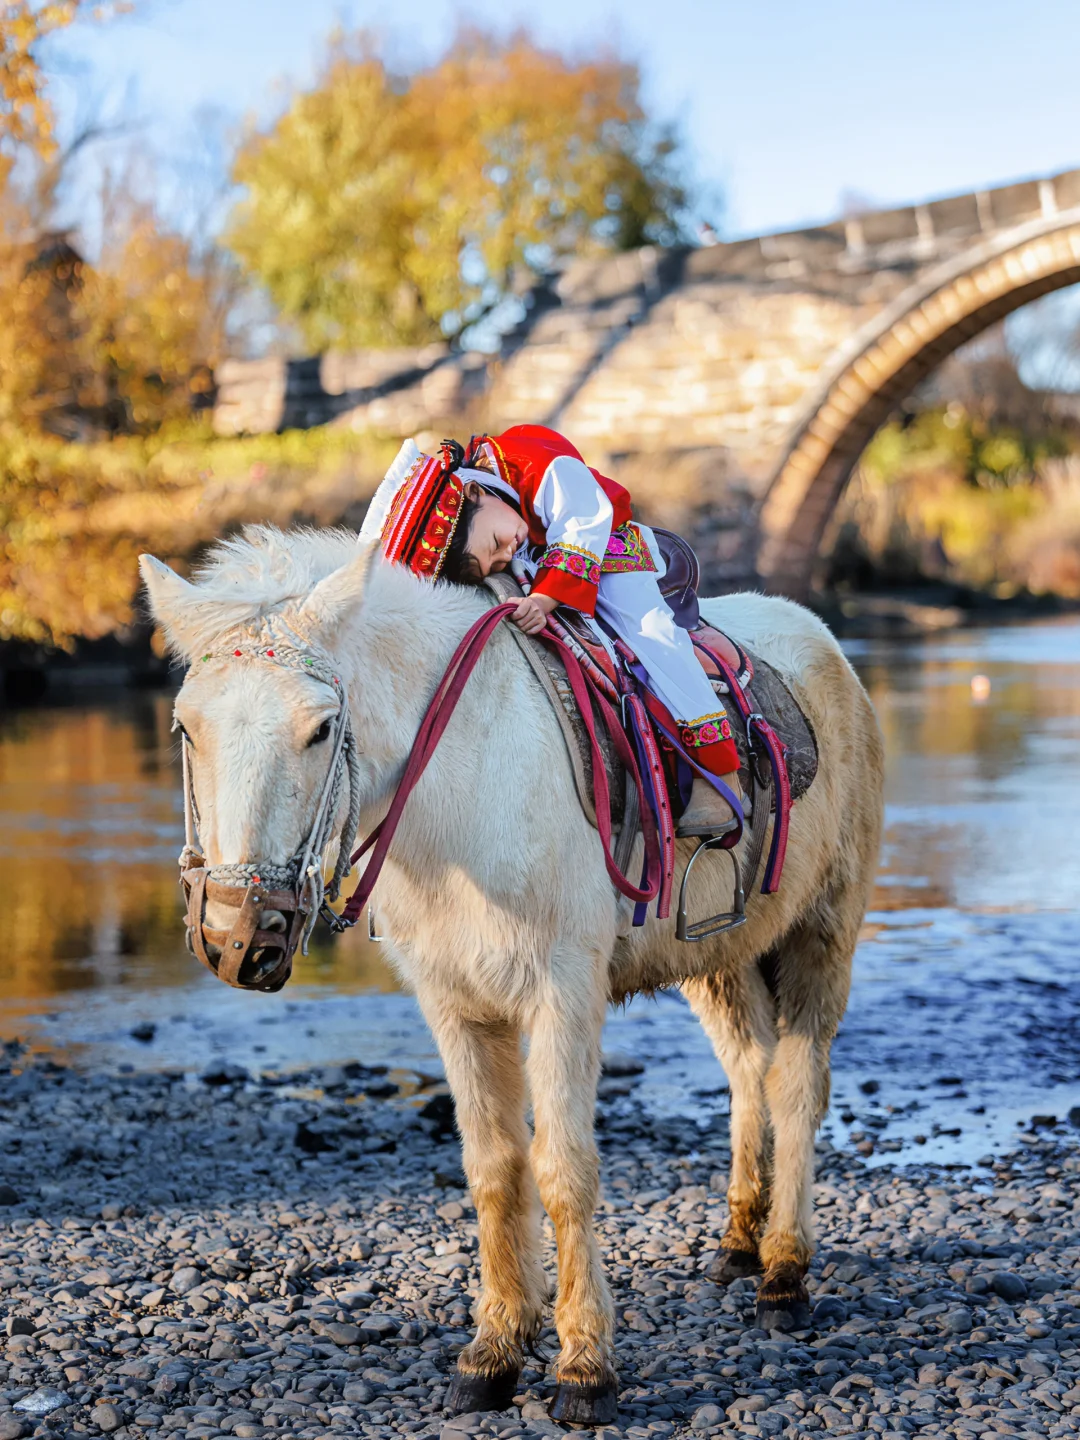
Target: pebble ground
{"type": "Point", "coordinates": [212, 1256]}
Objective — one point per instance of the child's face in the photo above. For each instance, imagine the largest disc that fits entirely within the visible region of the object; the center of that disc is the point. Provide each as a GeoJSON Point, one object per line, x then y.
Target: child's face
{"type": "Point", "coordinates": [497, 531]}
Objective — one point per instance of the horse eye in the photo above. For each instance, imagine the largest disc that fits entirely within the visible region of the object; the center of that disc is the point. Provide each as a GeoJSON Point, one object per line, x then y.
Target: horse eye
{"type": "Point", "coordinates": [322, 733]}
{"type": "Point", "coordinates": [184, 734]}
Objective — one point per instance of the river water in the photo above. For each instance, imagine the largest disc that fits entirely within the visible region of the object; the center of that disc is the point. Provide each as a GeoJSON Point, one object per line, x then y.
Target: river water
{"type": "Point", "coordinates": [965, 1012]}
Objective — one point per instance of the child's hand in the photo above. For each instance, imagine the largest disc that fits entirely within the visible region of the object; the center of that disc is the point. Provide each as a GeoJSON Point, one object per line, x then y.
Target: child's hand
{"type": "Point", "coordinates": [532, 612]}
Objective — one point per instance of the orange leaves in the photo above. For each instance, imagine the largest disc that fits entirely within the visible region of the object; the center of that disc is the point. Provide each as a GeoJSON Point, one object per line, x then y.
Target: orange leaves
{"type": "Point", "coordinates": [383, 209]}
{"type": "Point", "coordinates": [122, 346]}
{"type": "Point", "coordinates": [74, 518]}
{"type": "Point", "coordinates": [148, 323]}
{"type": "Point", "coordinates": [25, 114]}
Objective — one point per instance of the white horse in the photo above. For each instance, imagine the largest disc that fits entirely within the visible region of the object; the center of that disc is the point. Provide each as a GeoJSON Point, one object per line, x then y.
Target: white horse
{"type": "Point", "coordinates": [502, 920]}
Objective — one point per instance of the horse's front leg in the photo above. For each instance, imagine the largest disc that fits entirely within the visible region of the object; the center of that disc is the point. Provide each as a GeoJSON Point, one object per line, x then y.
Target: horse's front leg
{"type": "Point", "coordinates": [564, 1066]}
{"type": "Point", "coordinates": [484, 1067]}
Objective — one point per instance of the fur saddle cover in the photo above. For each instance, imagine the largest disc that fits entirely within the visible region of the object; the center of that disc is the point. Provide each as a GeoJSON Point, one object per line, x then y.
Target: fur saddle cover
{"type": "Point", "coordinates": [762, 686]}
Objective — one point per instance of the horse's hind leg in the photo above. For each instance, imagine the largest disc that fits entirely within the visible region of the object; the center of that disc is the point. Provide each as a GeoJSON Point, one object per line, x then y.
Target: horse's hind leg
{"type": "Point", "coordinates": [812, 979]}
{"type": "Point", "coordinates": [564, 1066]}
{"type": "Point", "coordinates": [738, 1014]}
{"type": "Point", "coordinates": [486, 1074]}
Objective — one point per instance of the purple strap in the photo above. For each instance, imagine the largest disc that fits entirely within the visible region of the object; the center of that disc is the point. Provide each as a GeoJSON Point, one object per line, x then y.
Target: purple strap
{"type": "Point", "coordinates": [757, 725]}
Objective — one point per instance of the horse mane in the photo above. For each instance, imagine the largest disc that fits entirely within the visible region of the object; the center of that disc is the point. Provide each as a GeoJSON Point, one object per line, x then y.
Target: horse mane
{"type": "Point", "coordinates": [266, 568]}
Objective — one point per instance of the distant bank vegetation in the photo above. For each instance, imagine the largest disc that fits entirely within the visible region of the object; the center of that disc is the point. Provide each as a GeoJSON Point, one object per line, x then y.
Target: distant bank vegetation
{"type": "Point", "coordinates": [950, 494]}
{"type": "Point", "coordinates": [74, 517]}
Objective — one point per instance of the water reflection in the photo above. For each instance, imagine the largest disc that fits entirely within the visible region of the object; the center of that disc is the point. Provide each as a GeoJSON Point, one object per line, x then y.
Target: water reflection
{"type": "Point", "coordinates": [980, 796]}
{"type": "Point", "coordinates": [91, 820]}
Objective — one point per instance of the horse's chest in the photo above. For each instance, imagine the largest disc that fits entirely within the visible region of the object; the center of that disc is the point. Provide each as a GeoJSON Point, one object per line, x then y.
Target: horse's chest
{"type": "Point", "coordinates": [483, 955]}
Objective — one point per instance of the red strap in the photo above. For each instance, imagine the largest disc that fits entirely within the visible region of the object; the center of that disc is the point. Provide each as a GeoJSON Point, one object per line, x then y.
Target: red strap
{"type": "Point", "coordinates": [437, 717]}
{"type": "Point", "coordinates": [651, 751]}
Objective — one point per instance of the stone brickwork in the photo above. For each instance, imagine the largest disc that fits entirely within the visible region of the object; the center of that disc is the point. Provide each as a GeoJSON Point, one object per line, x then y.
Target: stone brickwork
{"type": "Point", "coordinates": [769, 361]}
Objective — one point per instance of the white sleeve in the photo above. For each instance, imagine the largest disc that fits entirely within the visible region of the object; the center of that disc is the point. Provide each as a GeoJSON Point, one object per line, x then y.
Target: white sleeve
{"type": "Point", "coordinates": [572, 507]}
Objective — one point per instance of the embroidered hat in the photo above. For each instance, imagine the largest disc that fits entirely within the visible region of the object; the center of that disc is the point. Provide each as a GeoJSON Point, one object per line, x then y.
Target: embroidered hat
{"type": "Point", "coordinates": [423, 516]}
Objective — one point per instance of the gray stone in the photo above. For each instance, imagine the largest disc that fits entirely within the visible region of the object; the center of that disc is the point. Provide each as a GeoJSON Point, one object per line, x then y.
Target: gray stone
{"type": "Point", "coordinates": [43, 1401]}
{"type": "Point", "coordinates": [706, 1416]}
{"type": "Point", "coordinates": [186, 1279]}
{"type": "Point", "coordinates": [224, 1072]}
{"type": "Point", "coordinates": [11, 1427]}
{"type": "Point", "coordinates": [342, 1333]}
{"type": "Point", "coordinates": [747, 1404]}
{"type": "Point", "coordinates": [616, 1065]}
{"type": "Point", "coordinates": [830, 1310]}
{"type": "Point", "coordinates": [939, 1252]}
{"type": "Point", "coordinates": [1009, 1286]}
{"type": "Point", "coordinates": [107, 1416]}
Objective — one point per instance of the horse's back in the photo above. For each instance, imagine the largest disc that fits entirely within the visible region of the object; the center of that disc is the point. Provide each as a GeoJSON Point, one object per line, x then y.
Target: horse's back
{"type": "Point", "coordinates": [808, 658]}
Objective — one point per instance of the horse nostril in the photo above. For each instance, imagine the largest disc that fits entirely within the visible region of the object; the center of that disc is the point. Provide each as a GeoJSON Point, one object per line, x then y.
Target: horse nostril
{"type": "Point", "coordinates": [274, 921]}
{"type": "Point", "coordinates": [213, 952]}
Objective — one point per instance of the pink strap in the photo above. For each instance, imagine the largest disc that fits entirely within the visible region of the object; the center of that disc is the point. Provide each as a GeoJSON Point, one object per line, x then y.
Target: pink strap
{"type": "Point", "coordinates": [437, 717]}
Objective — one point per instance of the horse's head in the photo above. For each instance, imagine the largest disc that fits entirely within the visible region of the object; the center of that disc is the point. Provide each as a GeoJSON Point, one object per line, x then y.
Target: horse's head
{"type": "Point", "coordinates": [271, 770]}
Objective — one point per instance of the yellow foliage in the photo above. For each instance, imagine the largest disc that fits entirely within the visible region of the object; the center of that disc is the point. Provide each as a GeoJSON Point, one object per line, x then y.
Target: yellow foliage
{"type": "Point", "coordinates": [122, 346]}
{"type": "Point", "coordinates": [386, 210]}
{"type": "Point", "coordinates": [149, 328]}
{"type": "Point", "coordinates": [73, 518]}
{"type": "Point", "coordinates": [25, 113]}
{"type": "Point", "coordinates": [968, 499]}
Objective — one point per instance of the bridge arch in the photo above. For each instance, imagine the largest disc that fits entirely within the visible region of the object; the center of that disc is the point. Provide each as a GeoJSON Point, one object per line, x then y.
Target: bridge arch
{"type": "Point", "coordinates": [881, 366]}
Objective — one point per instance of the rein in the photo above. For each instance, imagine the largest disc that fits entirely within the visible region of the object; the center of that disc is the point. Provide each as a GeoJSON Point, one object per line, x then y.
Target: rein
{"type": "Point", "coordinates": [298, 886]}
{"type": "Point", "coordinates": [435, 721]}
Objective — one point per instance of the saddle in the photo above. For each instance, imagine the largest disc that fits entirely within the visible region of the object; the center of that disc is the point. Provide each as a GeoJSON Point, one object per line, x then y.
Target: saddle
{"type": "Point", "coordinates": [776, 744]}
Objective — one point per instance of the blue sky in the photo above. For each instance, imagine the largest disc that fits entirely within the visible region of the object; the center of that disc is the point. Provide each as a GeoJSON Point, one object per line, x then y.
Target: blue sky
{"type": "Point", "coordinates": [787, 104]}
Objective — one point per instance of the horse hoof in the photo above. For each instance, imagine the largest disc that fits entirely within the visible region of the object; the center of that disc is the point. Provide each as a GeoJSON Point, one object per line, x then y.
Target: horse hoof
{"type": "Point", "coordinates": [782, 1315]}
{"type": "Point", "coordinates": [481, 1392]}
{"type": "Point", "coordinates": [782, 1300]}
{"type": "Point", "coordinates": [732, 1265]}
{"type": "Point", "coordinates": [575, 1404]}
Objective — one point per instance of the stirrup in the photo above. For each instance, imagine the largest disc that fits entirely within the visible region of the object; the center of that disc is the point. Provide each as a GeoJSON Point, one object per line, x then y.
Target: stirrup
{"type": "Point", "coordinates": [716, 924]}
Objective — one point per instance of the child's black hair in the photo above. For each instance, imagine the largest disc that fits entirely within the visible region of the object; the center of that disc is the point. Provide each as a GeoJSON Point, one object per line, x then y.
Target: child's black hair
{"type": "Point", "coordinates": [459, 567]}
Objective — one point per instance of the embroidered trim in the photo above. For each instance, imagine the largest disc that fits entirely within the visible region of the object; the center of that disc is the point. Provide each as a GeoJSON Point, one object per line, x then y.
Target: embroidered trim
{"type": "Point", "coordinates": [422, 518]}
{"type": "Point", "coordinates": [627, 551]}
{"type": "Point", "coordinates": [709, 730]}
{"type": "Point", "coordinates": [496, 455]}
{"type": "Point", "coordinates": [580, 563]}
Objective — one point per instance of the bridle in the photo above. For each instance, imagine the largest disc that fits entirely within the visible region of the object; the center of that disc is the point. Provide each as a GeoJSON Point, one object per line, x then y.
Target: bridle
{"type": "Point", "coordinates": [296, 889]}
{"type": "Point", "coordinates": [298, 886]}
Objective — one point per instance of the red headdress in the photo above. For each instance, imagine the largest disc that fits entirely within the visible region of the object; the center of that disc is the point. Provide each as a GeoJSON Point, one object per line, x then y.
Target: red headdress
{"type": "Point", "coordinates": [424, 515]}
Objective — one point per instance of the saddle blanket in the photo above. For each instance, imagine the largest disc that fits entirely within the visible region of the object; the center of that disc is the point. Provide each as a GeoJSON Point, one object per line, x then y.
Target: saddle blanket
{"type": "Point", "coordinates": [762, 685]}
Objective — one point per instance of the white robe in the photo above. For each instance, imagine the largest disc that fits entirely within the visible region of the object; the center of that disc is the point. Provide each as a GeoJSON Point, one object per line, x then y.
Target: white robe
{"type": "Point", "coordinates": [575, 511]}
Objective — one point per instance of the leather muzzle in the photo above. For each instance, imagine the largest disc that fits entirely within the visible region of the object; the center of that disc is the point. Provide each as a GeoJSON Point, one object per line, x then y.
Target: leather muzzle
{"type": "Point", "coordinates": [248, 958]}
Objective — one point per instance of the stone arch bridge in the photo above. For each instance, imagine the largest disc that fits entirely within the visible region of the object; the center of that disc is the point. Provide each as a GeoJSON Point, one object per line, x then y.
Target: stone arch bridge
{"type": "Point", "coordinates": [748, 375]}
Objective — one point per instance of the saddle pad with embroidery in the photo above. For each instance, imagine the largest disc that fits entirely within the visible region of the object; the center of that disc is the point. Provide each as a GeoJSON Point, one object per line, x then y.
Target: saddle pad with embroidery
{"type": "Point", "coordinates": [766, 691]}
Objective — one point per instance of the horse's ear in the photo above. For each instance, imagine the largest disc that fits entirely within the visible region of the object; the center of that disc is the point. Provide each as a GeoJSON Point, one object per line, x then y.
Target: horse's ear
{"type": "Point", "coordinates": [340, 594]}
{"type": "Point", "coordinates": [174, 602]}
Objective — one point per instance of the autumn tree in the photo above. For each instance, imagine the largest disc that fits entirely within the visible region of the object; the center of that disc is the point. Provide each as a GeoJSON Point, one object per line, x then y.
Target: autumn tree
{"type": "Point", "coordinates": [385, 209]}
{"type": "Point", "coordinates": [121, 343]}
{"type": "Point", "coordinates": [26, 116]}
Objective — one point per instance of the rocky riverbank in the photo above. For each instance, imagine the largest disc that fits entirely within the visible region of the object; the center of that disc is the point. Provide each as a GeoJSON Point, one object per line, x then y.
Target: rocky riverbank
{"type": "Point", "coordinates": [296, 1255]}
